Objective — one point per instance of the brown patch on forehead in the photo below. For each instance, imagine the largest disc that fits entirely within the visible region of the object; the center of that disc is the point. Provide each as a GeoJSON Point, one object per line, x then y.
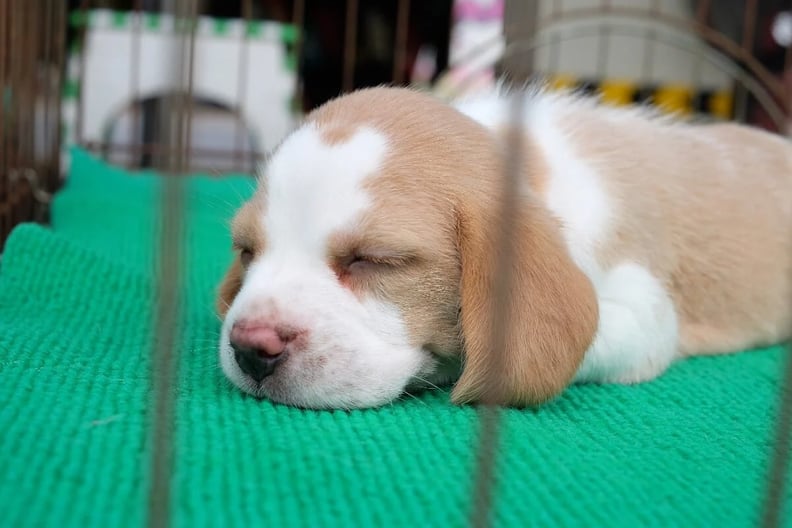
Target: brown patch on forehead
{"type": "Point", "coordinates": [336, 127]}
{"type": "Point", "coordinates": [380, 108]}
{"type": "Point", "coordinates": [334, 135]}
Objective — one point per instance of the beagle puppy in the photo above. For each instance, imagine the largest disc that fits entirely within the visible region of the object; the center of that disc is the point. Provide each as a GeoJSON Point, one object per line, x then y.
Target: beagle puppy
{"type": "Point", "coordinates": [365, 262]}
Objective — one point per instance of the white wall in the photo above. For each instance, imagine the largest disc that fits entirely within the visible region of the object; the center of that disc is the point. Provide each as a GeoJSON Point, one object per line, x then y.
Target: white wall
{"type": "Point", "coordinates": [644, 50]}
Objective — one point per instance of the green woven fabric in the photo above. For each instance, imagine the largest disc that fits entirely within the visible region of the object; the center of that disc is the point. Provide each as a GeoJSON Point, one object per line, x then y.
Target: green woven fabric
{"type": "Point", "coordinates": [689, 449]}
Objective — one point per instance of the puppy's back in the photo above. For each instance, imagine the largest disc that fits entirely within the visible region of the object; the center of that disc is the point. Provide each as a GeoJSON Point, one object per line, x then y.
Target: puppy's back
{"type": "Point", "coordinates": [708, 208]}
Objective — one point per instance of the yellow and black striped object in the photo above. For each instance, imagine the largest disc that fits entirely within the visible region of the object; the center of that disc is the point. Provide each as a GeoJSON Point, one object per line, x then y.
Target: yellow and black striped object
{"type": "Point", "coordinates": [671, 98]}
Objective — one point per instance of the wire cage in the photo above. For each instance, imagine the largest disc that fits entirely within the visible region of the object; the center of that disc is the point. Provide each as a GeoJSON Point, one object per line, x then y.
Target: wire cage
{"type": "Point", "coordinates": [183, 87]}
{"type": "Point", "coordinates": [685, 56]}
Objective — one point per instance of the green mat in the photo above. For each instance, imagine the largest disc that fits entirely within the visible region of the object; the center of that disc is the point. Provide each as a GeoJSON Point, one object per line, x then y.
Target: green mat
{"type": "Point", "coordinates": [689, 449]}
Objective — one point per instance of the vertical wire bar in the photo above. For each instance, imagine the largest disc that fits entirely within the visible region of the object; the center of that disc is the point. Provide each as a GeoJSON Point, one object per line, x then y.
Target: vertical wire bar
{"type": "Point", "coordinates": [350, 45]}
{"type": "Point", "coordinates": [175, 125]}
{"type": "Point", "coordinates": [298, 21]}
{"type": "Point", "coordinates": [188, 106]}
{"type": "Point", "coordinates": [603, 47]}
{"type": "Point", "coordinates": [50, 63]}
{"type": "Point", "coordinates": [17, 75]}
{"type": "Point", "coordinates": [519, 30]}
{"type": "Point", "coordinates": [773, 507]}
{"type": "Point", "coordinates": [33, 78]}
{"type": "Point", "coordinates": [60, 64]}
{"type": "Point", "coordinates": [242, 80]}
{"type": "Point", "coordinates": [489, 415]}
{"type": "Point", "coordinates": [647, 67]}
{"type": "Point", "coordinates": [135, 133]}
{"type": "Point", "coordinates": [788, 94]}
{"type": "Point", "coordinates": [788, 54]}
{"type": "Point", "coordinates": [747, 43]}
{"type": "Point", "coordinates": [18, 69]}
{"type": "Point", "coordinates": [749, 25]}
{"type": "Point", "coordinates": [15, 88]}
{"type": "Point", "coordinates": [27, 95]}
{"type": "Point", "coordinates": [187, 109]}
{"type": "Point", "coordinates": [702, 19]}
{"type": "Point", "coordinates": [4, 54]}
{"type": "Point", "coordinates": [21, 101]}
{"type": "Point", "coordinates": [81, 32]}
{"type": "Point", "coordinates": [5, 199]}
{"type": "Point", "coordinates": [17, 60]}
{"type": "Point", "coordinates": [47, 129]}
{"type": "Point", "coordinates": [556, 40]}
{"type": "Point", "coordinates": [10, 115]}
{"type": "Point", "coordinates": [703, 9]}
{"type": "Point", "coordinates": [400, 44]}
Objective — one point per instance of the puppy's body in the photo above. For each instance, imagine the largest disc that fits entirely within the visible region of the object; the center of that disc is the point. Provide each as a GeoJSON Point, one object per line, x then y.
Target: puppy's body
{"type": "Point", "coordinates": [669, 221]}
{"type": "Point", "coordinates": [372, 239]}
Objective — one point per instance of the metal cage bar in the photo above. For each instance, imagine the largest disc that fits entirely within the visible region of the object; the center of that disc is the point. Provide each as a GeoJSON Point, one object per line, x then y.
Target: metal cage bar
{"type": "Point", "coordinates": [32, 39]}
{"type": "Point", "coordinates": [175, 123]}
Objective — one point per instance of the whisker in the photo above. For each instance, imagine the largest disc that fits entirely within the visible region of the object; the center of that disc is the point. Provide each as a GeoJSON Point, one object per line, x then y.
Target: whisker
{"type": "Point", "coordinates": [424, 380]}
{"type": "Point", "coordinates": [416, 398]}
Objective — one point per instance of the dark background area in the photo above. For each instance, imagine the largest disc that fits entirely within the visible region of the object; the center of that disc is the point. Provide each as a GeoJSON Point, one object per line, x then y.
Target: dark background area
{"type": "Point", "coordinates": [324, 30]}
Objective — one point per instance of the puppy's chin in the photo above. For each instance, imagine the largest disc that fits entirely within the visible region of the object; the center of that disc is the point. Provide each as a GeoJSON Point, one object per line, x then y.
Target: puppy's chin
{"type": "Point", "coordinates": [310, 382]}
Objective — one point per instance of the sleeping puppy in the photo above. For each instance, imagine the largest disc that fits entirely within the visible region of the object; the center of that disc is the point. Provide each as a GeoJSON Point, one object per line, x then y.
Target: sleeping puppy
{"type": "Point", "coordinates": [366, 258]}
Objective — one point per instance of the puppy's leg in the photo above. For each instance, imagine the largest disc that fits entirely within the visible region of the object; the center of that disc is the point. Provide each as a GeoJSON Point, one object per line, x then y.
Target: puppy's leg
{"type": "Point", "coordinates": [637, 337]}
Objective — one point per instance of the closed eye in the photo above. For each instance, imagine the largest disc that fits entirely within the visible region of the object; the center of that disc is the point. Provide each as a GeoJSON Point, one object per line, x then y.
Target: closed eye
{"type": "Point", "coordinates": [246, 254]}
{"type": "Point", "coordinates": [371, 261]}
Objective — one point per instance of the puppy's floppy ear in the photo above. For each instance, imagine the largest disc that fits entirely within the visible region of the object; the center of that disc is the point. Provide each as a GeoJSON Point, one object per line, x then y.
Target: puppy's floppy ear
{"type": "Point", "coordinates": [229, 288]}
{"type": "Point", "coordinates": [553, 312]}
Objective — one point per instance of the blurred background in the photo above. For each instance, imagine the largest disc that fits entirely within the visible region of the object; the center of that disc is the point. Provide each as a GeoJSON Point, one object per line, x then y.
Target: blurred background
{"type": "Point", "coordinates": [97, 74]}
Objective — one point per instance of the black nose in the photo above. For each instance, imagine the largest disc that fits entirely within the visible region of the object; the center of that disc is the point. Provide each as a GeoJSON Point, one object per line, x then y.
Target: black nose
{"type": "Point", "coordinates": [255, 363]}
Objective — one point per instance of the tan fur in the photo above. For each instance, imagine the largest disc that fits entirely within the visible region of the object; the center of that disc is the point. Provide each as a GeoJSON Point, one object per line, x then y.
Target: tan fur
{"type": "Point", "coordinates": [425, 289]}
{"type": "Point", "coordinates": [229, 287]}
{"type": "Point", "coordinates": [437, 194]}
{"type": "Point", "coordinates": [708, 209]}
{"type": "Point", "coordinates": [246, 228]}
{"type": "Point", "coordinates": [338, 134]}
{"type": "Point", "coordinates": [553, 310]}
{"type": "Point", "coordinates": [247, 232]}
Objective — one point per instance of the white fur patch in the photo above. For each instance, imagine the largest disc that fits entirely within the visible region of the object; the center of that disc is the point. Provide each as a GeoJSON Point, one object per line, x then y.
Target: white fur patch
{"type": "Point", "coordinates": [490, 110]}
{"type": "Point", "coordinates": [637, 337]}
{"type": "Point", "coordinates": [315, 189]}
{"type": "Point", "coordinates": [575, 193]}
{"type": "Point", "coordinates": [352, 352]}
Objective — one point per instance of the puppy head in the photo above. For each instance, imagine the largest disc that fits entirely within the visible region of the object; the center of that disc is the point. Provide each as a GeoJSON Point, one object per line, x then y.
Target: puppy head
{"type": "Point", "coordinates": [365, 265]}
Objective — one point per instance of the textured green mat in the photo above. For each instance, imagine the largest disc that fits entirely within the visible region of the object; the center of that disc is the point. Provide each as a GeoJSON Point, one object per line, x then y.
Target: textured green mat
{"type": "Point", "coordinates": [75, 323]}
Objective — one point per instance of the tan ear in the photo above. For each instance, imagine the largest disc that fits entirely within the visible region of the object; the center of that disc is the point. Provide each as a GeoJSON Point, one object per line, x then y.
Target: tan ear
{"type": "Point", "coordinates": [229, 288]}
{"type": "Point", "coordinates": [553, 311]}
